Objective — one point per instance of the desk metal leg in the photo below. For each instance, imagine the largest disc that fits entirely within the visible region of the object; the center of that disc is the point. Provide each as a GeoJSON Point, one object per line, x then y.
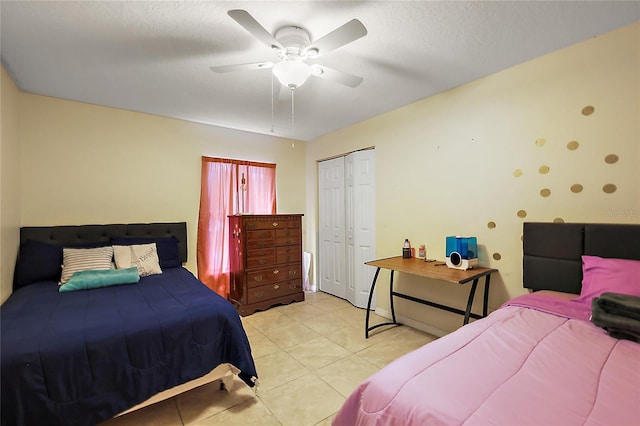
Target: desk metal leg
{"type": "Point", "coordinates": [367, 329]}
{"type": "Point", "coordinates": [472, 293]}
{"type": "Point", "coordinates": [486, 295]}
{"type": "Point", "coordinates": [393, 310]}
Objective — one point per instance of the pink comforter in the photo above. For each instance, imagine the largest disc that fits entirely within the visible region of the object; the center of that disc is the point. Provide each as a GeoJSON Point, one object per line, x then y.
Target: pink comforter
{"type": "Point", "coordinates": [518, 366]}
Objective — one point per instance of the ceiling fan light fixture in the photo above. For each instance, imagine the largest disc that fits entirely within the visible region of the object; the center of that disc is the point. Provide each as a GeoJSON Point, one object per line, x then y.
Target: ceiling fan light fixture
{"type": "Point", "coordinates": [292, 73]}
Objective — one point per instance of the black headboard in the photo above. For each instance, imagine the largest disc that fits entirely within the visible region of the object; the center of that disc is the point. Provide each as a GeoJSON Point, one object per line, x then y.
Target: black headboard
{"type": "Point", "coordinates": [552, 251]}
{"type": "Point", "coordinates": [79, 234]}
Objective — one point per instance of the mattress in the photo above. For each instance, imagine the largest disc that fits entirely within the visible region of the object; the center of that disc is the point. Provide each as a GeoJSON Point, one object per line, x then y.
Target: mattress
{"type": "Point", "coordinates": [81, 357]}
{"type": "Point", "coordinates": [535, 361]}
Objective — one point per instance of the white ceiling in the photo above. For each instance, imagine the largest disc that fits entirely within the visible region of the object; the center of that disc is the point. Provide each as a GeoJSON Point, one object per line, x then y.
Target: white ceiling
{"type": "Point", "coordinates": [154, 56]}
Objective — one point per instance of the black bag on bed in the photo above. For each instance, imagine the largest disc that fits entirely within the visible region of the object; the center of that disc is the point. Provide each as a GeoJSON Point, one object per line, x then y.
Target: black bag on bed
{"type": "Point", "coordinates": [617, 313]}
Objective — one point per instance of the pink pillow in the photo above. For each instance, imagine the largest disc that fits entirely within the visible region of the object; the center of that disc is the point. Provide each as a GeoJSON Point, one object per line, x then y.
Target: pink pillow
{"type": "Point", "coordinates": [600, 275]}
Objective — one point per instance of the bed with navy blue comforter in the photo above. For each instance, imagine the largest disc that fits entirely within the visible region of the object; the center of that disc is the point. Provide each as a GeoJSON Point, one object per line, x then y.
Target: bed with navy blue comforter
{"type": "Point", "coordinates": [80, 357]}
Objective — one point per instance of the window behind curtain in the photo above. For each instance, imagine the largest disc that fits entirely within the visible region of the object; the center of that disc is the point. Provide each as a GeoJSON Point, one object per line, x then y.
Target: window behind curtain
{"type": "Point", "coordinates": [222, 193]}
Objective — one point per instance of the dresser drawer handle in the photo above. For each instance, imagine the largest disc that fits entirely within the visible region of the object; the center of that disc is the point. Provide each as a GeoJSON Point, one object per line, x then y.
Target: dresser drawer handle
{"type": "Point", "coordinates": [260, 234]}
{"type": "Point", "coordinates": [261, 243]}
{"type": "Point", "coordinates": [288, 232]}
{"type": "Point", "coordinates": [275, 224]}
{"type": "Point", "coordinates": [259, 294]}
{"type": "Point", "coordinates": [288, 258]}
{"type": "Point", "coordinates": [275, 287]}
{"type": "Point", "coordinates": [258, 278]}
{"type": "Point", "coordinates": [276, 272]}
{"type": "Point", "coordinates": [293, 286]}
{"type": "Point", "coordinates": [289, 241]}
{"type": "Point", "coordinates": [292, 273]}
{"type": "Point", "coordinates": [261, 261]}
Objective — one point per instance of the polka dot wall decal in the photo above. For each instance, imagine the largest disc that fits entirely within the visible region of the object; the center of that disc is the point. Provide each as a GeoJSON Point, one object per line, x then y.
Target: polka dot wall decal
{"type": "Point", "coordinates": [544, 170]}
{"type": "Point", "coordinates": [576, 188]}
{"type": "Point", "coordinates": [522, 213]}
{"type": "Point", "coordinates": [611, 159]}
{"type": "Point", "coordinates": [609, 188]}
{"type": "Point", "coordinates": [545, 192]}
{"type": "Point", "coordinates": [491, 225]}
{"type": "Point", "coordinates": [517, 172]}
{"type": "Point", "coordinates": [588, 110]}
{"type": "Point", "coordinates": [558, 220]}
{"type": "Point", "coordinates": [540, 142]}
{"type": "Point", "coordinates": [573, 145]}
{"type": "Point", "coordinates": [497, 256]}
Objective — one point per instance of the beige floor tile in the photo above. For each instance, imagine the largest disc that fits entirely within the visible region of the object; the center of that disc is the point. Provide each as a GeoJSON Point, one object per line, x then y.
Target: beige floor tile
{"type": "Point", "coordinates": [346, 374]}
{"type": "Point", "coordinates": [277, 369]}
{"type": "Point", "coordinates": [352, 338]}
{"type": "Point", "coordinates": [394, 343]}
{"type": "Point", "coordinates": [251, 412]}
{"type": "Point", "coordinates": [268, 320]}
{"type": "Point", "coordinates": [261, 345]}
{"type": "Point", "coordinates": [304, 401]}
{"type": "Point", "coordinates": [208, 400]}
{"type": "Point", "coordinates": [301, 311]}
{"type": "Point", "coordinates": [317, 353]}
{"type": "Point", "coordinates": [290, 335]}
{"type": "Point", "coordinates": [327, 323]}
{"type": "Point", "coordinates": [333, 304]}
{"type": "Point", "coordinates": [327, 421]}
{"type": "Point", "coordinates": [164, 413]}
{"type": "Point", "coordinates": [353, 315]}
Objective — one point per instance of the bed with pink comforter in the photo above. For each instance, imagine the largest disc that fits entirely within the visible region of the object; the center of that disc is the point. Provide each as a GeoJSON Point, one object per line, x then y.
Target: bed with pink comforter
{"type": "Point", "coordinates": [538, 360]}
{"type": "Point", "coordinates": [519, 366]}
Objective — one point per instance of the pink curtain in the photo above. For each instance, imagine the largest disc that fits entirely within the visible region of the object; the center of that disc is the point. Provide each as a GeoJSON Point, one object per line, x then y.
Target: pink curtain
{"type": "Point", "coordinates": [222, 193]}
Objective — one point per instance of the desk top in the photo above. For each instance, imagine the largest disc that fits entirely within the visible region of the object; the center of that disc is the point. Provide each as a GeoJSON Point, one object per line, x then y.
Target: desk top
{"type": "Point", "coordinates": [437, 270]}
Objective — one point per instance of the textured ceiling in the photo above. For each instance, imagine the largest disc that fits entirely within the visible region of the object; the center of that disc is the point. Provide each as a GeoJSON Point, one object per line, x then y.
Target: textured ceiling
{"type": "Point", "coordinates": [154, 56]}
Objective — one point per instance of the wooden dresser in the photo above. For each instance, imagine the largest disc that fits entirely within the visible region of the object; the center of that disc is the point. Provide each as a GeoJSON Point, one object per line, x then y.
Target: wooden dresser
{"type": "Point", "coordinates": [265, 259]}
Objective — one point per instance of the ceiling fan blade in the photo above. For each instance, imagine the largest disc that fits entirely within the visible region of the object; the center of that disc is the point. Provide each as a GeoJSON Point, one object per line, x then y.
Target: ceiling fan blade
{"type": "Point", "coordinates": [247, 21]}
{"type": "Point", "coordinates": [327, 73]}
{"type": "Point", "coordinates": [345, 34]}
{"type": "Point", "coordinates": [242, 67]}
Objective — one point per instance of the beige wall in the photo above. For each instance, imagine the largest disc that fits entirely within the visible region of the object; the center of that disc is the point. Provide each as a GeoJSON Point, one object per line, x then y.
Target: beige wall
{"type": "Point", "coordinates": [83, 164]}
{"type": "Point", "coordinates": [9, 182]}
{"type": "Point", "coordinates": [457, 162]}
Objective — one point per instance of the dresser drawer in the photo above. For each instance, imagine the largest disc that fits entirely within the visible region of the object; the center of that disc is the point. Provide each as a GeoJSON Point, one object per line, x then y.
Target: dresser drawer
{"type": "Point", "coordinates": [274, 275]}
{"type": "Point", "coordinates": [289, 232]}
{"type": "Point", "coordinates": [260, 243]}
{"type": "Point", "coordinates": [274, 223]}
{"type": "Point", "coordinates": [261, 257]}
{"type": "Point", "coordinates": [289, 241]}
{"type": "Point", "coordinates": [261, 234]}
{"type": "Point", "coordinates": [272, 291]}
{"type": "Point", "coordinates": [288, 254]}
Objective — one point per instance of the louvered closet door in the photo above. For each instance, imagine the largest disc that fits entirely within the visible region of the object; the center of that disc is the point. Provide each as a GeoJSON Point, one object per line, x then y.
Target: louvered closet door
{"type": "Point", "coordinates": [331, 253]}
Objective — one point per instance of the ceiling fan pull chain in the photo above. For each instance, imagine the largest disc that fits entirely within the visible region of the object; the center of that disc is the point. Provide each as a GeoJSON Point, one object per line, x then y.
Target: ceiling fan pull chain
{"type": "Point", "coordinates": [293, 120]}
{"type": "Point", "coordinates": [272, 77]}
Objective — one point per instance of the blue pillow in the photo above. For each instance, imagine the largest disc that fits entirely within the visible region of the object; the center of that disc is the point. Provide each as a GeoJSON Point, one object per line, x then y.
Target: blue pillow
{"type": "Point", "coordinates": [86, 280]}
{"type": "Point", "coordinates": [167, 247]}
{"type": "Point", "coordinates": [37, 262]}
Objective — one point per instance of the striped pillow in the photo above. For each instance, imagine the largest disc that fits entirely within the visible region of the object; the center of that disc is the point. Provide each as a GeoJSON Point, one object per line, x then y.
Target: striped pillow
{"type": "Point", "coordinates": [75, 260]}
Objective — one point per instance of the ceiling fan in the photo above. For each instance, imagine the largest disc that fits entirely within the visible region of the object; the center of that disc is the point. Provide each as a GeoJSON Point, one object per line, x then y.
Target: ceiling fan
{"type": "Point", "coordinates": [293, 46]}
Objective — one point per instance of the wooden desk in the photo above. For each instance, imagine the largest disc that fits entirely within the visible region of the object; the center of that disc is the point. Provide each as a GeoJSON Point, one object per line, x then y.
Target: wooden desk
{"type": "Point", "coordinates": [435, 270]}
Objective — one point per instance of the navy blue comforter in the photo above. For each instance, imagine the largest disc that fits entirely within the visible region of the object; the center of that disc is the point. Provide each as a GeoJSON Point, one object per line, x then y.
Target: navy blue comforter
{"type": "Point", "coordinates": [80, 357]}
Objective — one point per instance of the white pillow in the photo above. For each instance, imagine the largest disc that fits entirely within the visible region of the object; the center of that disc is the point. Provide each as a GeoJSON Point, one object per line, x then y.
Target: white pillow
{"type": "Point", "coordinates": [144, 256]}
{"type": "Point", "coordinates": [74, 260]}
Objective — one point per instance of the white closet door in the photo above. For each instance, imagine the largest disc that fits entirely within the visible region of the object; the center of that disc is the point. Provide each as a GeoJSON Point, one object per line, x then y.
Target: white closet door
{"type": "Point", "coordinates": [331, 256]}
{"type": "Point", "coordinates": [360, 213]}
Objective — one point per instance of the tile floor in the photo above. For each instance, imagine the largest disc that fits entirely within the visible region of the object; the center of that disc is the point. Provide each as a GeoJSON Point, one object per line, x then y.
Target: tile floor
{"type": "Point", "coordinates": [309, 356]}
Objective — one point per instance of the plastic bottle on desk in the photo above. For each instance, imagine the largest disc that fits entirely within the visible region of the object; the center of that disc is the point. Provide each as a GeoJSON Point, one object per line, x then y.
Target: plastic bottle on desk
{"type": "Point", "coordinates": [406, 249]}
